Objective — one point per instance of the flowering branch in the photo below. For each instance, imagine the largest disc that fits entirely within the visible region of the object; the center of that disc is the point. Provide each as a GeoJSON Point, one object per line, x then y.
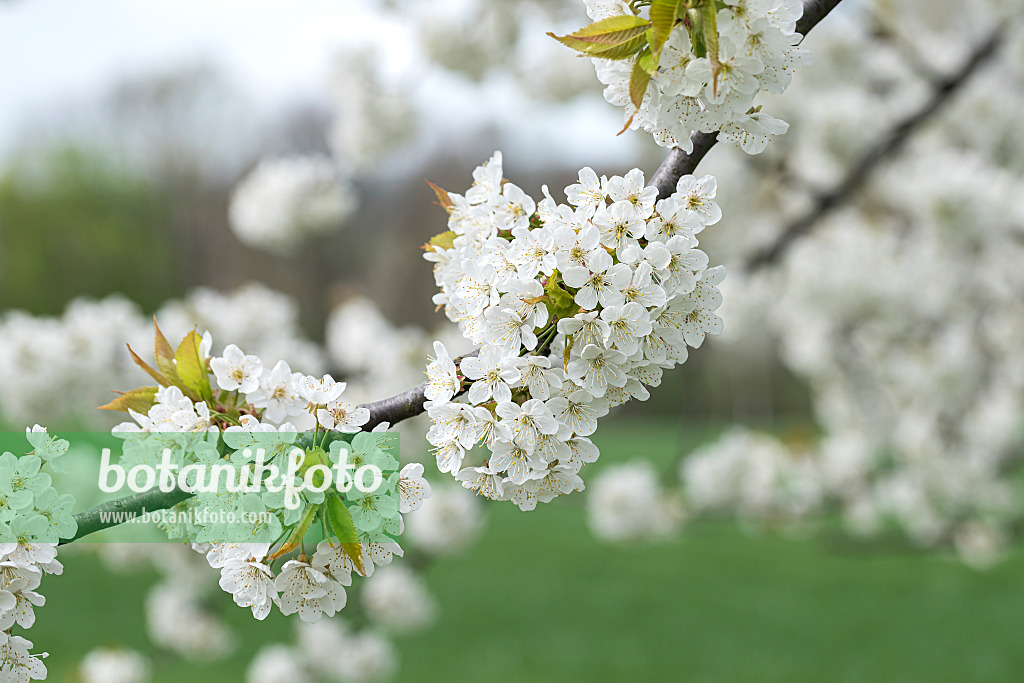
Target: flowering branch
{"type": "Point", "coordinates": [411, 403]}
{"type": "Point", "coordinates": [679, 163]}
{"type": "Point", "coordinates": [887, 146]}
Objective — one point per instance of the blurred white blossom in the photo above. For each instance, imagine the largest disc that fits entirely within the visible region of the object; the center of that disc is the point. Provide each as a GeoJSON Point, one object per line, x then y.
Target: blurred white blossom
{"type": "Point", "coordinates": [285, 200]}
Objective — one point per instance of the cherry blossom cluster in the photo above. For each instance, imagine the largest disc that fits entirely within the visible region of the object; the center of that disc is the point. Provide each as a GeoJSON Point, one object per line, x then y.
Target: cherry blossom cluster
{"type": "Point", "coordinates": [33, 518]}
{"type": "Point", "coordinates": [247, 409]}
{"type": "Point", "coordinates": [757, 51]}
{"type": "Point", "coordinates": [57, 369]}
{"type": "Point", "coordinates": [395, 600]}
{"type": "Point", "coordinates": [576, 309]}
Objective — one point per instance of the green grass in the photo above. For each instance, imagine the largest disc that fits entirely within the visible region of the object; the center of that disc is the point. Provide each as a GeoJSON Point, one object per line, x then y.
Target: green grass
{"type": "Point", "coordinates": [538, 599]}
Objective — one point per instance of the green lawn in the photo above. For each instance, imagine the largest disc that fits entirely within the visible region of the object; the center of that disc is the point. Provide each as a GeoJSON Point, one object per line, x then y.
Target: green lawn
{"type": "Point", "coordinates": [538, 599]}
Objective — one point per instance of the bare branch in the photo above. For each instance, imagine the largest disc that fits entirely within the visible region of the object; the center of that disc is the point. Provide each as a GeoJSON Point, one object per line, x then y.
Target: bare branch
{"type": "Point", "coordinates": [397, 408]}
{"type": "Point", "coordinates": [679, 163]}
{"type": "Point", "coordinates": [886, 147]}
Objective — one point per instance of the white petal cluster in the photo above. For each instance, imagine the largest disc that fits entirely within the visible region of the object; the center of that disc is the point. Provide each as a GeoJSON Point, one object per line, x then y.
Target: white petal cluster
{"type": "Point", "coordinates": [105, 665]}
{"type": "Point", "coordinates": [33, 517]}
{"type": "Point", "coordinates": [177, 619]}
{"type": "Point", "coordinates": [577, 308]}
{"type": "Point", "coordinates": [277, 664]}
{"type": "Point", "coordinates": [447, 522]}
{"type": "Point", "coordinates": [328, 651]}
{"type": "Point", "coordinates": [626, 503]}
{"type": "Point", "coordinates": [398, 600]}
{"type": "Point", "coordinates": [22, 566]}
{"type": "Point", "coordinates": [60, 368]}
{"type": "Point", "coordinates": [901, 312]}
{"type": "Point", "coordinates": [285, 200]}
{"type": "Point", "coordinates": [753, 474]}
{"type": "Point", "coordinates": [249, 405]}
{"type": "Point", "coordinates": [373, 115]}
{"type": "Point", "coordinates": [758, 51]}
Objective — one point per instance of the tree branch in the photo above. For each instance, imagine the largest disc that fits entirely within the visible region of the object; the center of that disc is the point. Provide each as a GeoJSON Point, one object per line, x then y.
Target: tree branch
{"type": "Point", "coordinates": [119, 511]}
{"type": "Point", "coordinates": [680, 163]}
{"type": "Point", "coordinates": [890, 144]}
{"type": "Point", "coordinates": [397, 408]}
{"type": "Point", "coordinates": [410, 403]}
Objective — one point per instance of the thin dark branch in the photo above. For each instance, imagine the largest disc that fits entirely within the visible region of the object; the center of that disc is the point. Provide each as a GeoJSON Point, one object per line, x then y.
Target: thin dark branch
{"type": "Point", "coordinates": [397, 408]}
{"type": "Point", "coordinates": [680, 163]}
{"type": "Point", "coordinates": [814, 12]}
{"type": "Point", "coordinates": [885, 148]}
{"type": "Point", "coordinates": [401, 406]}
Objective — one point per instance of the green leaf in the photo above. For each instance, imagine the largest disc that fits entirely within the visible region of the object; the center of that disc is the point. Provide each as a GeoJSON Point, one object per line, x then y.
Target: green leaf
{"type": "Point", "coordinates": [298, 533]}
{"type": "Point", "coordinates": [140, 400]}
{"type": "Point", "coordinates": [192, 368]}
{"type": "Point", "coordinates": [610, 31]}
{"type": "Point", "coordinates": [340, 521]}
{"type": "Point", "coordinates": [664, 14]}
{"type": "Point", "coordinates": [560, 303]}
{"type": "Point", "coordinates": [611, 38]}
{"type": "Point", "coordinates": [710, 20]}
{"type": "Point", "coordinates": [445, 240]}
{"type": "Point", "coordinates": [697, 32]}
{"type": "Point", "coordinates": [623, 51]}
{"type": "Point", "coordinates": [639, 78]}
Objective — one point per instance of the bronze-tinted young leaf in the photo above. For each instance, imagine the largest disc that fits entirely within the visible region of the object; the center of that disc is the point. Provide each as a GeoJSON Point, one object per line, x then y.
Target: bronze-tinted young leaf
{"type": "Point", "coordinates": [164, 354]}
{"type": "Point", "coordinates": [192, 368]}
{"type": "Point", "coordinates": [443, 198]}
{"type": "Point", "coordinates": [663, 18]}
{"type": "Point", "coordinates": [355, 553]}
{"type": "Point", "coordinates": [140, 400]}
{"type": "Point", "coordinates": [160, 379]}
